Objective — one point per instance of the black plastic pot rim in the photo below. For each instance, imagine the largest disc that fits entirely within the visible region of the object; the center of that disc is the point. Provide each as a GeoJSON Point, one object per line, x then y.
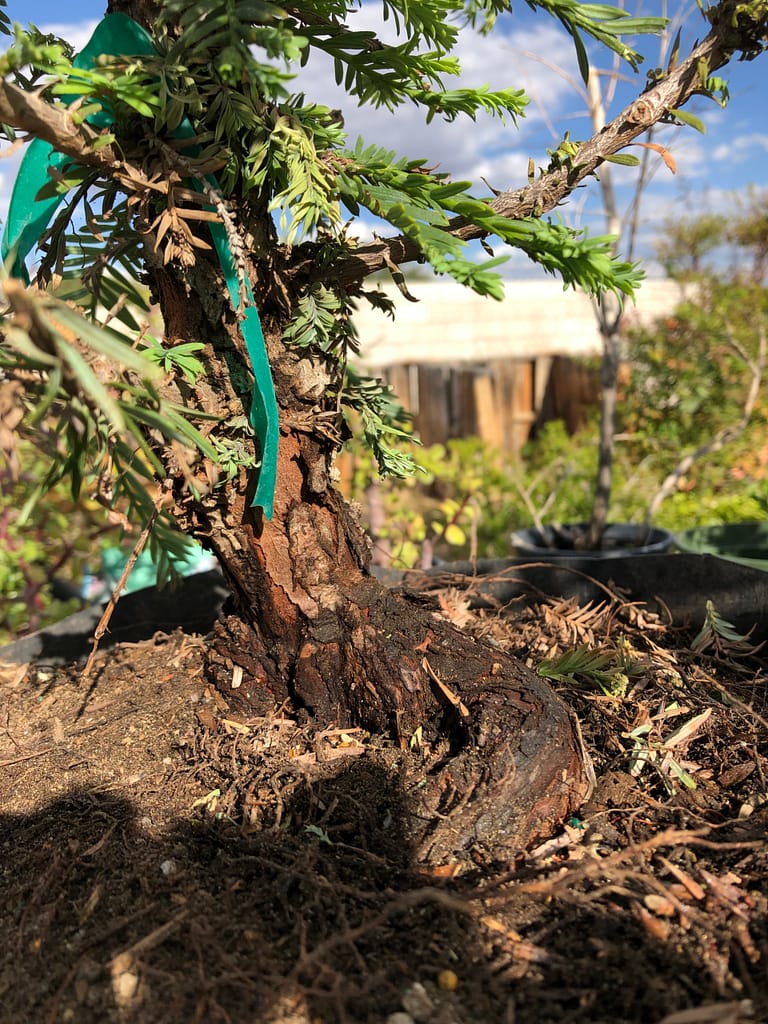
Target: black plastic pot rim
{"type": "Point", "coordinates": [620, 540]}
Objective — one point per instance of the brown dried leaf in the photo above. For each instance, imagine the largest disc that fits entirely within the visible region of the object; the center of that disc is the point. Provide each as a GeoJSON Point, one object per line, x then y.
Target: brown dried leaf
{"type": "Point", "coordinates": [736, 774]}
{"type": "Point", "coordinates": [207, 215]}
{"type": "Point", "coordinates": [656, 927]}
{"type": "Point", "coordinates": [662, 906]}
{"type": "Point", "coordinates": [13, 675]}
{"type": "Point", "coordinates": [683, 736]}
{"type": "Point", "coordinates": [691, 886]}
{"type": "Point", "coordinates": [725, 892]}
{"type": "Point", "coordinates": [665, 155]}
{"type": "Point", "coordinates": [455, 605]}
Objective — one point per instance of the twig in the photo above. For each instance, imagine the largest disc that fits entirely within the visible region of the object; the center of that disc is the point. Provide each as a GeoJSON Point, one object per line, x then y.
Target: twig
{"type": "Point", "coordinates": [525, 496]}
{"type": "Point", "coordinates": [740, 704]}
{"type": "Point", "coordinates": [216, 199]}
{"type": "Point", "coordinates": [457, 702]}
{"type": "Point", "coordinates": [25, 757]}
{"type": "Point", "coordinates": [670, 837]}
{"type": "Point", "coordinates": [124, 960]}
{"type": "Point", "coordinates": [398, 906]}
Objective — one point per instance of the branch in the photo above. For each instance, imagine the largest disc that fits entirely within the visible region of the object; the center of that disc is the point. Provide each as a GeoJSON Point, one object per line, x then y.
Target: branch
{"type": "Point", "coordinates": [543, 195]}
{"type": "Point", "coordinates": [27, 112]}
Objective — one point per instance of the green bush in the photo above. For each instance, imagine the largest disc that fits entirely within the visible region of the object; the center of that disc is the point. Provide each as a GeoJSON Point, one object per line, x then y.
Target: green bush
{"type": "Point", "coordinates": [688, 377]}
{"type": "Point", "coordinates": [57, 536]}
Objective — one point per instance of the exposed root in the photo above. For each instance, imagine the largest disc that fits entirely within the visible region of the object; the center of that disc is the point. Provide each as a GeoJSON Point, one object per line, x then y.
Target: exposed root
{"type": "Point", "coordinates": [501, 756]}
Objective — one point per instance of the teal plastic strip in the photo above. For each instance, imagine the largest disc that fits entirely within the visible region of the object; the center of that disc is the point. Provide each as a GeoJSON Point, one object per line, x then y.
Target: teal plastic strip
{"type": "Point", "coordinates": [263, 413]}
{"type": "Point", "coordinates": [28, 217]}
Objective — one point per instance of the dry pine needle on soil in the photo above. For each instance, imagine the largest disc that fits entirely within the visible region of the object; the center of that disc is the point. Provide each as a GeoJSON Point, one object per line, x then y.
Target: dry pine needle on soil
{"type": "Point", "coordinates": [166, 860]}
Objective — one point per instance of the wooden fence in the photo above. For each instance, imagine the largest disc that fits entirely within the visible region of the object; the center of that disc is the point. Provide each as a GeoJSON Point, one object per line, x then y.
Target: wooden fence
{"type": "Point", "coordinates": [466, 366]}
{"type": "Point", "coordinates": [502, 401]}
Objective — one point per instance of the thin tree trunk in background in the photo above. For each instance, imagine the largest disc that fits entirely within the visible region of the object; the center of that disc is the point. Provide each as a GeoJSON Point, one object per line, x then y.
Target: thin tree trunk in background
{"type": "Point", "coordinates": [608, 314]}
{"type": "Point", "coordinates": [609, 376]}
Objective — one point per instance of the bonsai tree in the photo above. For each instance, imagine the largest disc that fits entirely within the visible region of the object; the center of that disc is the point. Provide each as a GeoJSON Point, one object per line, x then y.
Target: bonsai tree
{"type": "Point", "coordinates": [172, 152]}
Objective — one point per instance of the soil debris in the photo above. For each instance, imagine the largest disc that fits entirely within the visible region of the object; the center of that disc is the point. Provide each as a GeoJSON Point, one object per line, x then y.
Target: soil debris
{"type": "Point", "coordinates": [166, 859]}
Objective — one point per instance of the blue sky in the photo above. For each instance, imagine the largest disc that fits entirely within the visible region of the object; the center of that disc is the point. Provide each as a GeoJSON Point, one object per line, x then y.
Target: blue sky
{"type": "Point", "coordinates": [713, 170]}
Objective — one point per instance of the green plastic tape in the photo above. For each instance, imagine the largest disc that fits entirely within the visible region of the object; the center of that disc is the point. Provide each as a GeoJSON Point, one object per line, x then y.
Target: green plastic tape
{"type": "Point", "coordinates": [28, 217]}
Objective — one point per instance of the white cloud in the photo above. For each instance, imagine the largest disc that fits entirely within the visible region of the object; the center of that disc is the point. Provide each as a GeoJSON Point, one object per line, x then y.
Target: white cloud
{"type": "Point", "coordinates": [76, 33]}
{"type": "Point", "coordinates": [742, 148]}
{"type": "Point", "coordinates": [10, 160]}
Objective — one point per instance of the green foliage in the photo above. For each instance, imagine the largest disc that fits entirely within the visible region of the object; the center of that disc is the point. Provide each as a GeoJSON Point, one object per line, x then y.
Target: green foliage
{"type": "Point", "coordinates": [57, 539]}
{"type": "Point", "coordinates": [383, 421]}
{"type": "Point", "coordinates": [601, 22]}
{"type": "Point", "coordinates": [687, 376]}
{"type": "Point", "coordinates": [90, 430]}
{"type": "Point", "coordinates": [216, 96]}
{"type": "Point", "coordinates": [466, 499]}
{"type": "Point", "coordinates": [320, 322]}
{"type": "Point", "coordinates": [609, 668]}
{"type": "Point", "coordinates": [179, 357]}
{"type": "Point", "coordinates": [749, 232]}
{"type": "Point", "coordinates": [555, 473]}
{"type": "Point", "coordinates": [685, 242]}
{"type": "Point", "coordinates": [748, 22]}
{"type": "Point", "coordinates": [715, 627]}
{"type": "Point", "coordinates": [420, 203]}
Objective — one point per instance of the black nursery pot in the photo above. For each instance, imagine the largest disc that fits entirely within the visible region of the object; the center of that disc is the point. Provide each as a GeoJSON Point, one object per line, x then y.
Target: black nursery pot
{"type": "Point", "coordinates": [620, 540]}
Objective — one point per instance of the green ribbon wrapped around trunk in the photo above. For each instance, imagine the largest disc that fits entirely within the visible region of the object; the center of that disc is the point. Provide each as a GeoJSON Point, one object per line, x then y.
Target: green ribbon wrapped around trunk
{"type": "Point", "coordinates": [28, 217]}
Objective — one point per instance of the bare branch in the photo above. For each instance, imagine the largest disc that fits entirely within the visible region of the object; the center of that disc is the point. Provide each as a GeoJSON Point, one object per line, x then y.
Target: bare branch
{"type": "Point", "coordinates": [28, 112]}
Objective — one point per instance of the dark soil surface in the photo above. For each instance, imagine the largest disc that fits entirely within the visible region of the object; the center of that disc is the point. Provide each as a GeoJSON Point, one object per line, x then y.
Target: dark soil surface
{"type": "Point", "coordinates": [164, 859]}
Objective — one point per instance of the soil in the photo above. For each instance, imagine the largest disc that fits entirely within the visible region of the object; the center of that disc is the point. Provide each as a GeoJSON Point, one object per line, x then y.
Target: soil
{"type": "Point", "coordinates": [165, 859]}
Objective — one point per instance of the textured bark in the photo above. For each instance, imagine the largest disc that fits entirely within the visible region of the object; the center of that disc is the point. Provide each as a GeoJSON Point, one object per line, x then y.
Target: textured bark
{"type": "Point", "coordinates": [311, 627]}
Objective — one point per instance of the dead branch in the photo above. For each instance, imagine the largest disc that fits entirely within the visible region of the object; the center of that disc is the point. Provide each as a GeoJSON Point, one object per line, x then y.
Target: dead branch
{"type": "Point", "coordinates": [28, 112]}
{"type": "Point", "coordinates": [138, 547]}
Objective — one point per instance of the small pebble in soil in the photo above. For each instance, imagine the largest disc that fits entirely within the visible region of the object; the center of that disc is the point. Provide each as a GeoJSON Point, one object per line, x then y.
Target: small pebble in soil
{"type": "Point", "coordinates": [448, 981]}
{"type": "Point", "coordinates": [417, 1002]}
{"type": "Point", "coordinates": [125, 987]}
{"type": "Point", "coordinates": [400, 1018]}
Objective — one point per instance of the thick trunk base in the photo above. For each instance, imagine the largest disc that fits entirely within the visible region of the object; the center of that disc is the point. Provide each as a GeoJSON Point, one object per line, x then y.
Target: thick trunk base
{"type": "Point", "coordinates": [496, 757]}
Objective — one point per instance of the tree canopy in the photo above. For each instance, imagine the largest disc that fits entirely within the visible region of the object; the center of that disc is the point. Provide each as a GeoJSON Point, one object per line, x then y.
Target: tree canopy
{"type": "Point", "coordinates": [168, 141]}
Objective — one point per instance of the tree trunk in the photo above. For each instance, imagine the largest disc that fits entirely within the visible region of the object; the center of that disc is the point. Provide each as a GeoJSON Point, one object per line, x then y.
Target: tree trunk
{"type": "Point", "coordinates": [310, 626]}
